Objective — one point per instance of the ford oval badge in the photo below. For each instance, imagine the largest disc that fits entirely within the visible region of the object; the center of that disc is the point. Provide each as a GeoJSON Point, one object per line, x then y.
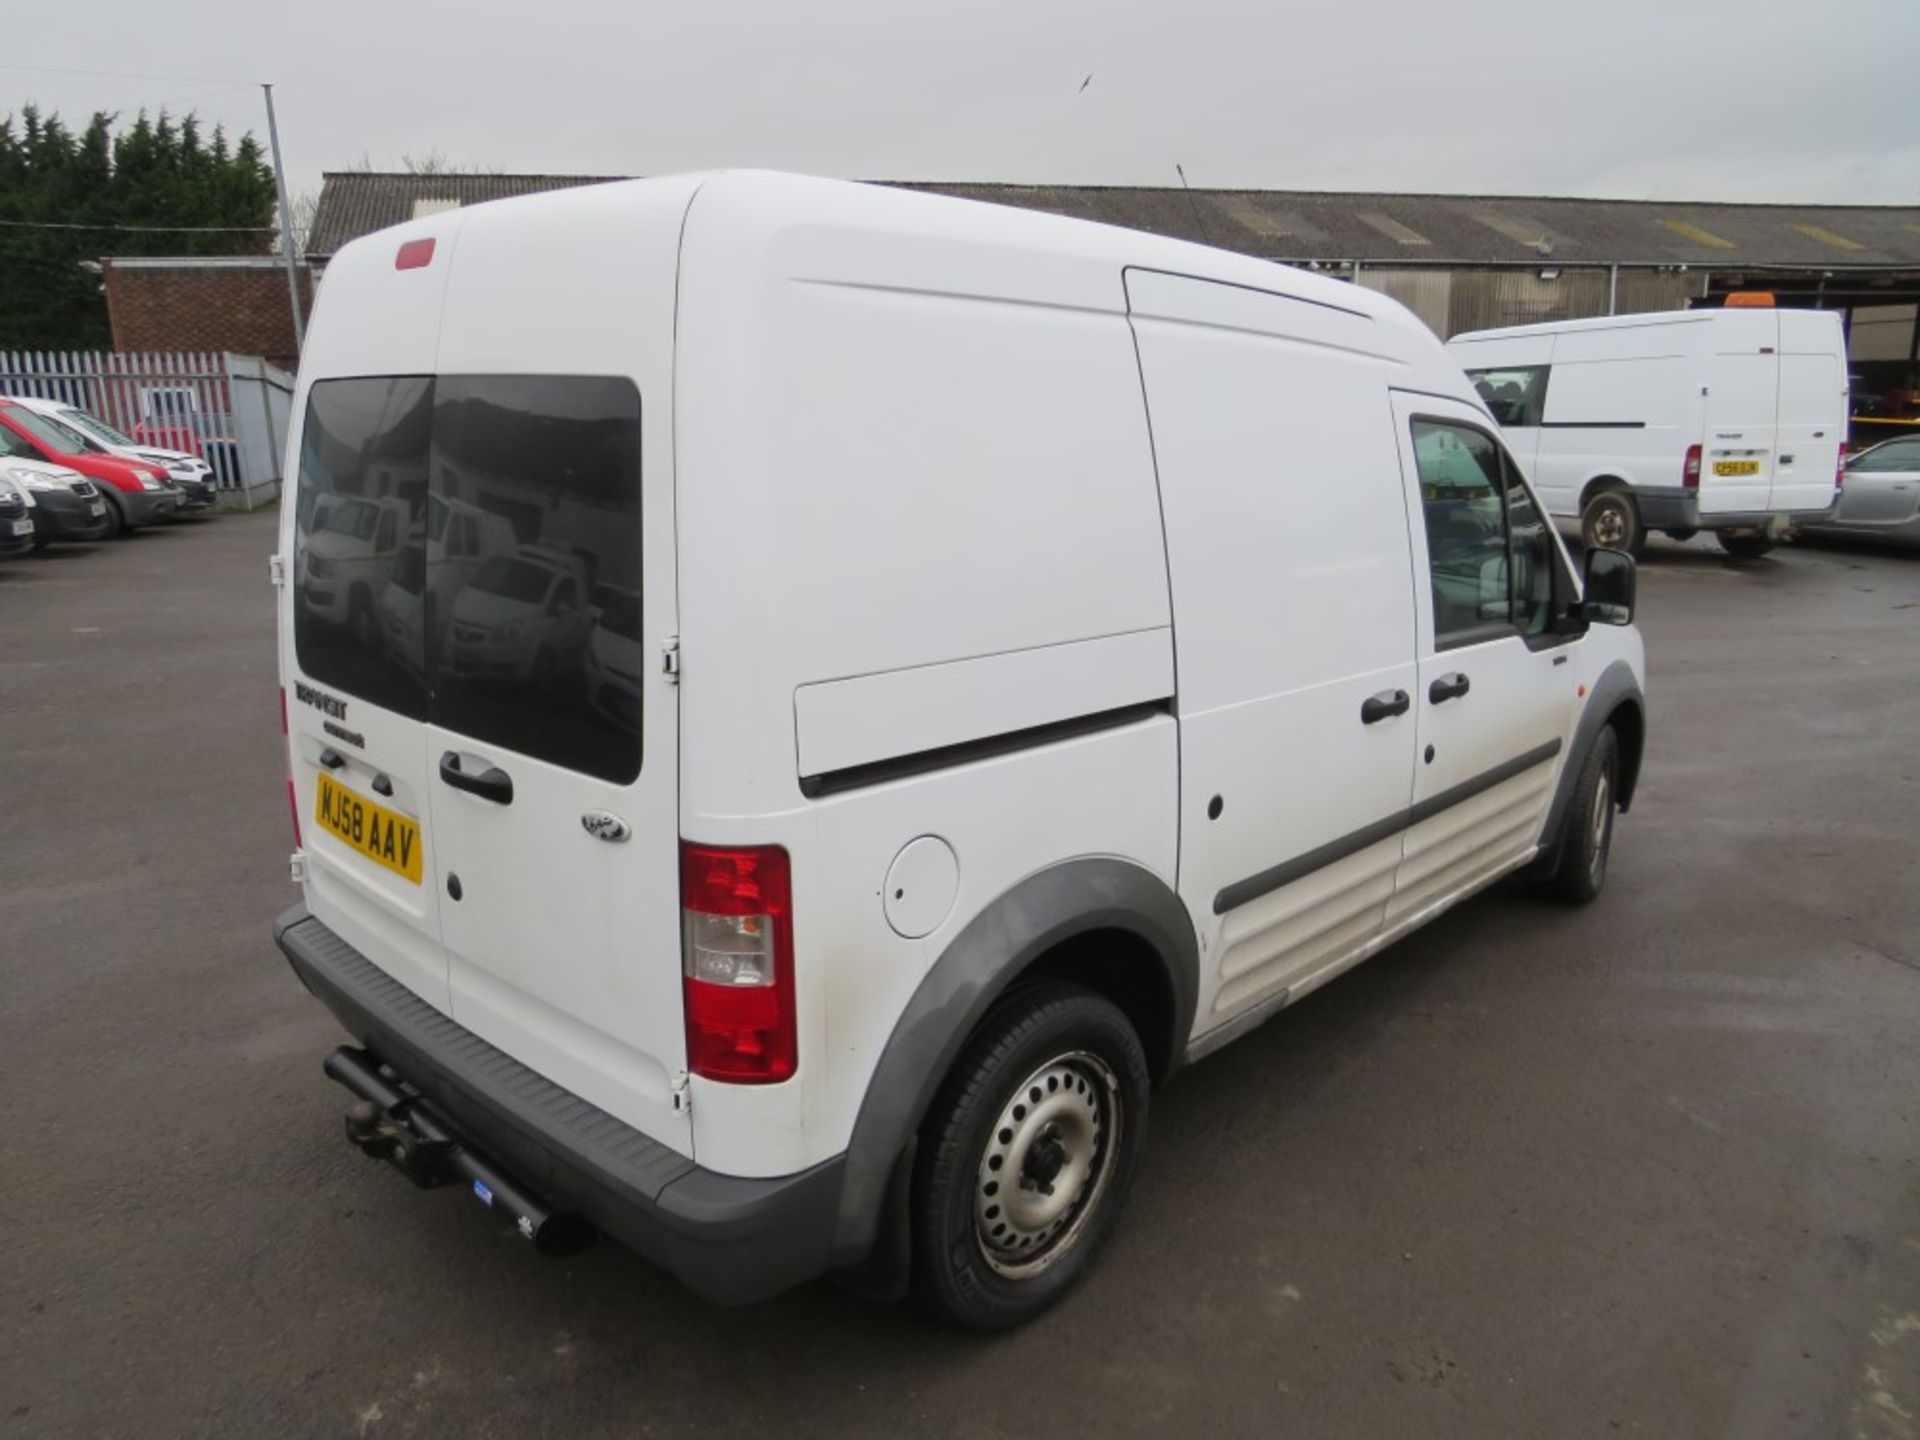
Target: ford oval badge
{"type": "Point", "coordinates": [604, 825]}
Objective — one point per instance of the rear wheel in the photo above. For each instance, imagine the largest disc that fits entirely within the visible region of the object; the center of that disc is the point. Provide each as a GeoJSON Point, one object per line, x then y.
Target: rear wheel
{"type": "Point", "coordinates": [1027, 1156]}
{"type": "Point", "coordinates": [1587, 830]}
{"type": "Point", "coordinates": [1682, 535]}
{"type": "Point", "coordinates": [1611, 521]}
{"type": "Point", "coordinates": [1745, 547]}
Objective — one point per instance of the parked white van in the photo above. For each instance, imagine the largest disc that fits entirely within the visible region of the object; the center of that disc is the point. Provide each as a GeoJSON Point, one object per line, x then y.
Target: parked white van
{"type": "Point", "coordinates": [1063, 649]}
{"type": "Point", "coordinates": [1731, 420]}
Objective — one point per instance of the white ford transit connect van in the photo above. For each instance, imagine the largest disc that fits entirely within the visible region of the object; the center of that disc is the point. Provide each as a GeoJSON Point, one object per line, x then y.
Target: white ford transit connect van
{"type": "Point", "coordinates": [1049, 651]}
{"type": "Point", "coordinates": [1732, 420]}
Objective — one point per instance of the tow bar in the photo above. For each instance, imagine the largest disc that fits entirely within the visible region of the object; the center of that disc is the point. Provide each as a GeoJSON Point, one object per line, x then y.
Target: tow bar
{"type": "Point", "coordinates": [391, 1125]}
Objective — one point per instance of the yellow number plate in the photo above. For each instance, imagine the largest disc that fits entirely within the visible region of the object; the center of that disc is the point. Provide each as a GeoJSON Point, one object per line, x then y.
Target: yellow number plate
{"type": "Point", "coordinates": [1736, 467]}
{"type": "Point", "coordinates": [380, 834]}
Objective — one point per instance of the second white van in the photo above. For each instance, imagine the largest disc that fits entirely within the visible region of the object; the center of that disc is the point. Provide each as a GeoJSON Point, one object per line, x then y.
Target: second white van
{"type": "Point", "coordinates": [1730, 420]}
{"type": "Point", "coordinates": [1045, 652]}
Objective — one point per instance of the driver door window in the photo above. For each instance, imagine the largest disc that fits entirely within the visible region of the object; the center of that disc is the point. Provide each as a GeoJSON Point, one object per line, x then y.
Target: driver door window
{"type": "Point", "coordinates": [1490, 555]}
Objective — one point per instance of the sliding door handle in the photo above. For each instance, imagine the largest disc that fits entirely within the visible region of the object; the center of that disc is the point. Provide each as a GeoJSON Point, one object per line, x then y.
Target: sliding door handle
{"type": "Point", "coordinates": [1448, 687]}
{"type": "Point", "coordinates": [1385, 705]}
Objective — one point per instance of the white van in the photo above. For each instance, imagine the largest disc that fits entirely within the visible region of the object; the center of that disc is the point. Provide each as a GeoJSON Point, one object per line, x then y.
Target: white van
{"type": "Point", "coordinates": [1731, 420]}
{"type": "Point", "coordinates": [1060, 649]}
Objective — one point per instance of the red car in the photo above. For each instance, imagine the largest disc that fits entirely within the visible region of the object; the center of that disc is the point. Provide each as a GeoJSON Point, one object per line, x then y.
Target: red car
{"type": "Point", "coordinates": [137, 493]}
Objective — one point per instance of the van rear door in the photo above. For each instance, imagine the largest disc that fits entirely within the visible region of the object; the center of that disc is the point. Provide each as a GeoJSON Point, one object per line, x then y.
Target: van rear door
{"type": "Point", "coordinates": [356, 702]}
{"type": "Point", "coordinates": [1743, 399]}
{"type": "Point", "coordinates": [1813, 410]}
{"type": "Point", "coordinates": [553, 738]}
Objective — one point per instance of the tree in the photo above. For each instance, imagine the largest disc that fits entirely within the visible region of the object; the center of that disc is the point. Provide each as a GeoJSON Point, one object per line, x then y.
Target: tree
{"type": "Point", "coordinates": [157, 188]}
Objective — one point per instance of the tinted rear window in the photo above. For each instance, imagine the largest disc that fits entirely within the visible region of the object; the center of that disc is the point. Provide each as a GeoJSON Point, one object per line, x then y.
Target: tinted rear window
{"type": "Point", "coordinates": [517, 494]}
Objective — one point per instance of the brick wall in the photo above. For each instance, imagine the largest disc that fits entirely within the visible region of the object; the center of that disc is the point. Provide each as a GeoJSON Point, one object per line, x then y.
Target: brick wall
{"type": "Point", "coordinates": [204, 305]}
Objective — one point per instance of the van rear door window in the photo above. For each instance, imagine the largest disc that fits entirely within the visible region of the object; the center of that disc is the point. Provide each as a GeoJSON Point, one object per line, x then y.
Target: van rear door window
{"type": "Point", "coordinates": [451, 538]}
{"type": "Point", "coordinates": [363, 463]}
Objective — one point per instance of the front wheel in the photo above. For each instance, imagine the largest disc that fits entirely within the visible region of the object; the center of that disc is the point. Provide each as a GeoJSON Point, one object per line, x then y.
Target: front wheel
{"type": "Point", "coordinates": [1587, 829]}
{"type": "Point", "coordinates": [1611, 521]}
{"type": "Point", "coordinates": [1027, 1157]}
{"type": "Point", "coordinates": [116, 519]}
{"type": "Point", "coordinates": [1745, 547]}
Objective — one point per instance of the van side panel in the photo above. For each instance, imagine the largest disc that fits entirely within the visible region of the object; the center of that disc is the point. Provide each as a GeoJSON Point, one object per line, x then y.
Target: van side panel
{"type": "Point", "coordinates": [1622, 403]}
{"type": "Point", "coordinates": [1293, 595]}
{"type": "Point", "coordinates": [912, 457]}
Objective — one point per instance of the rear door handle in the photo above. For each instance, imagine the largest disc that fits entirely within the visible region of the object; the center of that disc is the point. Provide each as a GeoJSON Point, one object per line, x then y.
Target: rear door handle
{"type": "Point", "coordinates": [493, 783]}
{"type": "Point", "coordinates": [1385, 705]}
{"type": "Point", "coordinates": [1448, 687]}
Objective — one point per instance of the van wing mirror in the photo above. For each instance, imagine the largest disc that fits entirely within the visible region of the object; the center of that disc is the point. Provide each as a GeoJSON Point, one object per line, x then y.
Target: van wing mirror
{"type": "Point", "coordinates": [1612, 582]}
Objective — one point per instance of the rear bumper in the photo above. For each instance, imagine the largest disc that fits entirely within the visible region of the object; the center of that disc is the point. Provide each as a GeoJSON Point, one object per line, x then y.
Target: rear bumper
{"type": "Point", "coordinates": [1769, 520]}
{"type": "Point", "coordinates": [1667, 507]}
{"type": "Point", "coordinates": [731, 1240]}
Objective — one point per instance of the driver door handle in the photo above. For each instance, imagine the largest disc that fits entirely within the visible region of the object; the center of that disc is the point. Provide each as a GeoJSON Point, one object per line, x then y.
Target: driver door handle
{"type": "Point", "coordinates": [1386, 704]}
{"type": "Point", "coordinates": [1448, 687]}
{"type": "Point", "coordinates": [493, 783]}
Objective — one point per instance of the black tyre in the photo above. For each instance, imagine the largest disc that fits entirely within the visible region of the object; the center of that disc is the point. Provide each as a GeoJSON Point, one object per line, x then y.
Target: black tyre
{"type": "Point", "coordinates": [1682, 535]}
{"type": "Point", "coordinates": [1744, 547]}
{"type": "Point", "coordinates": [1587, 829]}
{"type": "Point", "coordinates": [116, 517]}
{"type": "Point", "coordinates": [1611, 521]}
{"type": "Point", "coordinates": [1027, 1156]}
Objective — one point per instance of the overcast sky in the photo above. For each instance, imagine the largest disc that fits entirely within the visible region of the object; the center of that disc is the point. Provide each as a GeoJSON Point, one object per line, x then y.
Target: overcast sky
{"type": "Point", "coordinates": [1665, 99]}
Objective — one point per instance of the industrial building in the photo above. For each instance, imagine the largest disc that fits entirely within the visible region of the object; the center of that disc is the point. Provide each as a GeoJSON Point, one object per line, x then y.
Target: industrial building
{"type": "Point", "coordinates": [1459, 262]}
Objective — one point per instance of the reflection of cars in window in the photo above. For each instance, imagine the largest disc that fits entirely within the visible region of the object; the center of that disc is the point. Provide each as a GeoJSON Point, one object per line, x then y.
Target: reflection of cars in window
{"type": "Point", "coordinates": [347, 559]}
{"type": "Point", "coordinates": [613, 656]}
{"type": "Point", "coordinates": [521, 617]}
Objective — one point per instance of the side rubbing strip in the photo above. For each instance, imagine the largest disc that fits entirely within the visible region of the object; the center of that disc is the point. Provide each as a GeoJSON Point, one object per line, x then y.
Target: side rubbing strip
{"type": "Point", "coordinates": [832, 782]}
{"type": "Point", "coordinates": [1301, 866]}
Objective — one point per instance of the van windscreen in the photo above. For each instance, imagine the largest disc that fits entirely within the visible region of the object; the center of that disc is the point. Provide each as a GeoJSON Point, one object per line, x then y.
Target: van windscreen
{"type": "Point", "coordinates": [538, 478]}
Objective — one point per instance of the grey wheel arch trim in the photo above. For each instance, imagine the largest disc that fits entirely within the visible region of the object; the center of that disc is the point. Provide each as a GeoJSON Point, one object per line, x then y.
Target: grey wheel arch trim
{"type": "Point", "coordinates": [993, 950]}
{"type": "Point", "coordinates": [1615, 687]}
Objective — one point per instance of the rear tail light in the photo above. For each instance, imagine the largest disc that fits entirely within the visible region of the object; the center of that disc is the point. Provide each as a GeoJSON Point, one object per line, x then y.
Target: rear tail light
{"type": "Point", "coordinates": [1840, 469]}
{"type": "Point", "coordinates": [736, 915]}
{"type": "Point", "coordinates": [1690, 471]}
{"type": "Point", "coordinates": [293, 802]}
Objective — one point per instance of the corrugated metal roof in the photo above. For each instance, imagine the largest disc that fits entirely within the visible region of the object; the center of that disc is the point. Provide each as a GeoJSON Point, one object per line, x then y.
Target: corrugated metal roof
{"type": "Point", "coordinates": [1319, 225]}
{"type": "Point", "coordinates": [357, 203]}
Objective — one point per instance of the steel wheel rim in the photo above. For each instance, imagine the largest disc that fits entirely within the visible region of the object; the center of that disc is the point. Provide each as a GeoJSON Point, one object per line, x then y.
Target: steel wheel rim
{"type": "Point", "coordinates": [1609, 526]}
{"type": "Point", "coordinates": [1602, 821]}
{"type": "Point", "coordinates": [1046, 1164]}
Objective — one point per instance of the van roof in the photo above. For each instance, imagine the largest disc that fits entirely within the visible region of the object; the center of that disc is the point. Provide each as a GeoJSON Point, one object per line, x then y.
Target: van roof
{"type": "Point", "coordinates": [1633, 321]}
{"type": "Point", "coordinates": [764, 206]}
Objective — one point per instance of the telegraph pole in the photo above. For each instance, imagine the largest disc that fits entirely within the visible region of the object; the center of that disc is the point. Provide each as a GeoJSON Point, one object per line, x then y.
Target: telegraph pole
{"type": "Point", "coordinates": [286, 228]}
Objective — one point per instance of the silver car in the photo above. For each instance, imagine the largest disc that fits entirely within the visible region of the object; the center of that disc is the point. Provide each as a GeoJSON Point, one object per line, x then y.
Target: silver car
{"type": "Point", "coordinates": [1879, 495]}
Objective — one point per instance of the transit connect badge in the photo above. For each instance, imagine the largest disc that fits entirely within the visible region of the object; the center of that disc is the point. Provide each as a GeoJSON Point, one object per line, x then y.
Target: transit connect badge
{"type": "Point", "coordinates": [604, 825]}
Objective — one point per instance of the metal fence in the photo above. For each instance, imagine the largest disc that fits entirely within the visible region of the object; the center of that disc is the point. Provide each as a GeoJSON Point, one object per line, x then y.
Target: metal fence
{"type": "Point", "coordinates": [231, 410]}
